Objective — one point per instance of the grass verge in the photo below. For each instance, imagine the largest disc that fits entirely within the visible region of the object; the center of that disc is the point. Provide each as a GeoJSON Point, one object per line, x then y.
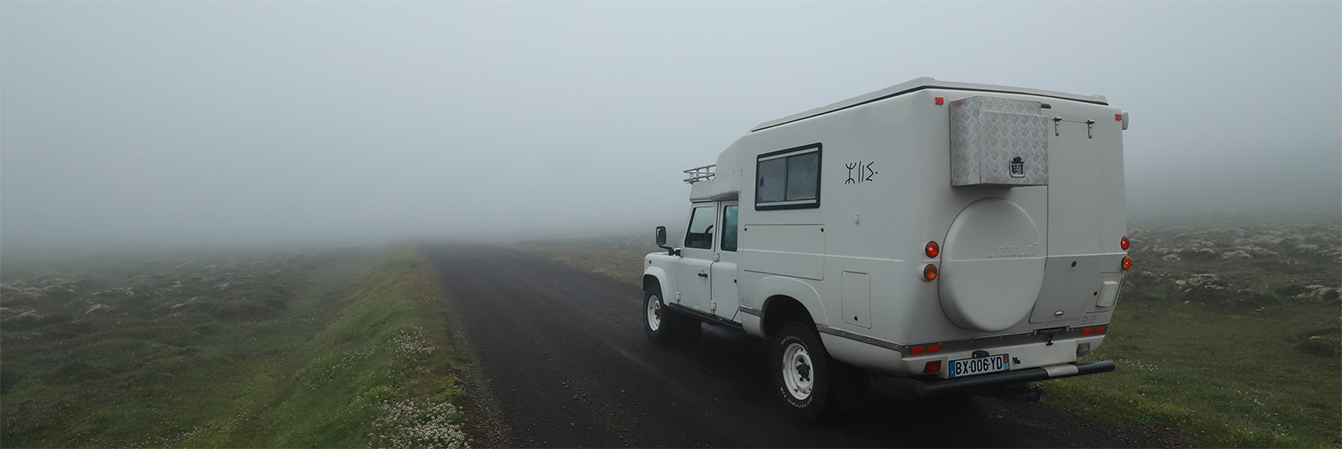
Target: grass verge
{"type": "Point", "coordinates": [1221, 376]}
{"type": "Point", "coordinates": [336, 349]}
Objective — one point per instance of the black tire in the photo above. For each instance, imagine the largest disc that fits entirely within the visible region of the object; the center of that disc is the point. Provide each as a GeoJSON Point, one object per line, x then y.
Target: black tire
{"type": "Point", "coordinates": [812, 367]}
{"type": "Point", "coordinates": [662, 331]}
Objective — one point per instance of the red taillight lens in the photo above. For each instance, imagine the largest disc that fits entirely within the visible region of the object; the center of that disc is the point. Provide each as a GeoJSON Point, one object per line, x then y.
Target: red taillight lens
{"type": "Point", "coordinates": [932, 249]}
{"type": "Point", "coordinates": [940, 101]}
{"type": "Point", "coordinates": [1094, 330]}
{"type": "Point", "coordinates": [933, 348]}
{"type": "Point", "coordinates": [1124, 243]}
{"type": "Point", "coordinates": [917, 350]}
{"type": "Point", "coordinates": [930, 272]}
{"type": "Point", "coordinates": [1127, 263]}
{"type": "Point", "coordinates": [932, 367]}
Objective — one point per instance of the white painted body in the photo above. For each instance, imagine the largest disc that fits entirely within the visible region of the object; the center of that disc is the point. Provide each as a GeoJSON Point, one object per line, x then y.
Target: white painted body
{"type": "Point", "coordinates": [1014, 259]}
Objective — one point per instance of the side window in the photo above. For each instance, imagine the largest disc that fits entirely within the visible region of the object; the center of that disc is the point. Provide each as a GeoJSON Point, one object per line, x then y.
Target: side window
{"type": "Point", "coordinates": [788, 179]}
{"type": "Point", "coordinates": [729, 228]}
{"type": "Point", "coordinates": [700, 234]}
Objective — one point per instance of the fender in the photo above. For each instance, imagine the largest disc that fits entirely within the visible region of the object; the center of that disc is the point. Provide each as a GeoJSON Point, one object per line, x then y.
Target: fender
{"type": "Point", "coordinates": [660, 275]}
{"type": "Point", "coordinates": [804, 293]}
{"type": "Point", "coordinates": [657, 268]}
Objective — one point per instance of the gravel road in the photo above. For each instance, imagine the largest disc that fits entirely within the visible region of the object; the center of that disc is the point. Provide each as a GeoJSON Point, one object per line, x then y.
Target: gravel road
{"type": "Point", "coordinates": [561, 361]}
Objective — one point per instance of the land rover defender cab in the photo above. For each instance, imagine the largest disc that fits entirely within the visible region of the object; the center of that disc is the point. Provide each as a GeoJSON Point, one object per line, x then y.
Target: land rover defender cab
{"type": "Point", "coordinates": [968, 236]}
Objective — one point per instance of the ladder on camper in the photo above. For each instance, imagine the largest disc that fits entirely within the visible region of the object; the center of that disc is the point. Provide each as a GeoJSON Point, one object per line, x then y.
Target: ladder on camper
{"type": "Point", "coordinates": [697, 174]}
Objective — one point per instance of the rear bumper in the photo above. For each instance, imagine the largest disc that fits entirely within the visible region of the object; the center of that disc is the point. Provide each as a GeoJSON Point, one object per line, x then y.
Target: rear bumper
{"type": "Point", "coordinates": [1011, 378]}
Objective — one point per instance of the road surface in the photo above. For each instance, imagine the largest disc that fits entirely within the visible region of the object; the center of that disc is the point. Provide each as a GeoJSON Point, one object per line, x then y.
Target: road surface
{"type": "Point", "coordinates": [561, 360]}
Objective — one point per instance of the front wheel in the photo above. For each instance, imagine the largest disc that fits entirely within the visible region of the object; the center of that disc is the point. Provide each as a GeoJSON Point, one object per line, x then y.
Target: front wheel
{"type": "Point", "coordinates": [801, 372]}
{"type": "Point", "coordinates": [658, 321]}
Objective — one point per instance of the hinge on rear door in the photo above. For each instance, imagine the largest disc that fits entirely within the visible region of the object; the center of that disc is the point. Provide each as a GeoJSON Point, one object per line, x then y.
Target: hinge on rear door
{"type": "Point", "coordinates": [712, 306]}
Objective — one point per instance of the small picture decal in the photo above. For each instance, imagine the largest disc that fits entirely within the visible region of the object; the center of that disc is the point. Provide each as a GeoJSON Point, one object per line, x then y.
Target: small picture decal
{"type": "Point", "coordinates": [864, 172]}
{"type": "Point", "coordinates": [1017, 167]}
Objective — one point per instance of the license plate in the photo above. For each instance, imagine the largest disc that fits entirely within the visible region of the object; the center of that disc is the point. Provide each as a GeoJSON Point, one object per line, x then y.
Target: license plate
{"type": "Point", "coordinates": [980, 365]}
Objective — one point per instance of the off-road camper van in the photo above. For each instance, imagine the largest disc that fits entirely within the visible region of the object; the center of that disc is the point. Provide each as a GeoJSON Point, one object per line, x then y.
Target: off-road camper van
{"type": "Point", "coordinates": [969, 236]}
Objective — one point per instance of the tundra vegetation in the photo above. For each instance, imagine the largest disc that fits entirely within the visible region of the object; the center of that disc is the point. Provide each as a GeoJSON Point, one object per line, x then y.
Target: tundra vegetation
{"type": "Point", "coordinates": [321, 348]}
{"type": "Point", "coordinates": [1228, 330]}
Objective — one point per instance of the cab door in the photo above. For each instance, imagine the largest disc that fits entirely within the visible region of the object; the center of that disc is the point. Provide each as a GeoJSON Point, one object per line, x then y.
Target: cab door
{"type": "Point", "coordinates": [726, 297]}
{"type": "Point", "coordinates": [694, 285]}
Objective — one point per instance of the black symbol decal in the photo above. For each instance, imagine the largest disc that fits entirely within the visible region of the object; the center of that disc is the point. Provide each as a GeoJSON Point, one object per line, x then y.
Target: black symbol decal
{"type": "Point", "coordinates": [1017, 167]}
{"type": "Point", "coordinates": [864, 172]}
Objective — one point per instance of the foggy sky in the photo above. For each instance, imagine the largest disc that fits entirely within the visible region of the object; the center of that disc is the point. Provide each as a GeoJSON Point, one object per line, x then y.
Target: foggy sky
{"type": "Point", "coordinates": [230, 121]}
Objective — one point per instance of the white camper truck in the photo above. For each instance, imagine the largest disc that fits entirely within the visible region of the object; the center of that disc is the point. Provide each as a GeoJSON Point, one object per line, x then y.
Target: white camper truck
{"type": "Point", "coordinates": [969, 236]}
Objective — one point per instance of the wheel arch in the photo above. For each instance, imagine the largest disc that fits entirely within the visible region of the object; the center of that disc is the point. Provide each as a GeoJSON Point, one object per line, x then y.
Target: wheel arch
{"type": "Point", "coordinates": [788, 299]}
{"type": "Point", "coordinates": [655, 276]}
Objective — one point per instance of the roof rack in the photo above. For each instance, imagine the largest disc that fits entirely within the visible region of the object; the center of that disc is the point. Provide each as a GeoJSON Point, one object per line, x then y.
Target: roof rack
{"type": "Point", "coordinates": [697, 174]}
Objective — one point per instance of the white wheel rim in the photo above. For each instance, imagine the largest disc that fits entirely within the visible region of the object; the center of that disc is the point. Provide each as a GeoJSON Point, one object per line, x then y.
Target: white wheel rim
{"type": "Point", "coordinates": [654, 313]}
{"type": "Point", "coordinates": [798, 372]}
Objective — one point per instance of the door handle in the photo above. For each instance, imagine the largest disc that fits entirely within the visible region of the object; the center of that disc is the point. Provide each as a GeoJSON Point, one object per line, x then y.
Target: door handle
{"type": "Point", "coordinates": [703, 275]}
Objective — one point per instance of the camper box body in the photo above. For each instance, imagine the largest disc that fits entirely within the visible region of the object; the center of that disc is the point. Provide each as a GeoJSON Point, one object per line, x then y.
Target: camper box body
{"type": "Point", "coordinates": [1020, 190]}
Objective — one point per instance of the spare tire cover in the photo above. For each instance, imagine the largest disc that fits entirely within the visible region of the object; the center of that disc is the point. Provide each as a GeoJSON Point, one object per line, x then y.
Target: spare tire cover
{"type": "Point", "coordinates": [992, 266]}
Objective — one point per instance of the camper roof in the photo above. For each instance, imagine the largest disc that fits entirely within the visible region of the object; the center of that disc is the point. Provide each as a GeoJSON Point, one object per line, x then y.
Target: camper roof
{"type": "Point", "coordinates": [918, 84]}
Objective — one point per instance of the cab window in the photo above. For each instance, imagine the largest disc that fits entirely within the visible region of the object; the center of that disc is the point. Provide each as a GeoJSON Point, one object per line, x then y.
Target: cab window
{"type": "Point", "coordinates": [729, 228]}
{"type": "Point", "coordinates": [700, 234]}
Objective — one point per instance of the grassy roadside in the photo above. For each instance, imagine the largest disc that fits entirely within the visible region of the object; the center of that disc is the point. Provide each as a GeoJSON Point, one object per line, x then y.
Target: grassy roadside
{"type": "Point", "coordinates": [1228, 331]}
{"type": "Point", "coordinates": [332, 349]}
{"type": "Point", "coordinates": [1222, 377]}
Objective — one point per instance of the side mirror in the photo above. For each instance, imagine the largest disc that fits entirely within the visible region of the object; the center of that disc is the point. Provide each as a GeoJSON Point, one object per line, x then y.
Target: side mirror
{"type": "Point", "coordinates": [661, 240]}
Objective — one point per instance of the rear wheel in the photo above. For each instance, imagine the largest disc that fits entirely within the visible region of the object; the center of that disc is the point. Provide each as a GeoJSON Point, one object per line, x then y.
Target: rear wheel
{"type": "Point", "coordinates": [802, 372]}
{"type": "Point", "coordinates": [658, 321]}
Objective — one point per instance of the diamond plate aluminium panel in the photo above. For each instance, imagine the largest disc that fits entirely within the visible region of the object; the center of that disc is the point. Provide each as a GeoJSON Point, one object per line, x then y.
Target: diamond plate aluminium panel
{"type": "Point", "coordinates": [998, 141]}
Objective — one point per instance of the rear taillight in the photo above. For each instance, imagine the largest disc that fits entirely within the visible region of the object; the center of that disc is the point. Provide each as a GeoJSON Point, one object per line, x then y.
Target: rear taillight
{"type": "Point", "coordinates": [1124, 243]}
{"type": "Point", "coordinates": [915, 350]}
{"type": "Point", "coordinates": [930, 272]}
{"type": "Point", "coordinates": [932, 249]}
{"type": "Point", "coordinates": [1127, 263]}
{"type": "Point", "coordinates": [1093, 330]}
{"type": "Point", "coordinates": [932, 367]}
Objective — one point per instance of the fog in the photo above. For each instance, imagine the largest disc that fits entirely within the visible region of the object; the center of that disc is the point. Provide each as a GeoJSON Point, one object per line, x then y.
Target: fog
{"type": "Point", "coordinates": [207, 123]}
